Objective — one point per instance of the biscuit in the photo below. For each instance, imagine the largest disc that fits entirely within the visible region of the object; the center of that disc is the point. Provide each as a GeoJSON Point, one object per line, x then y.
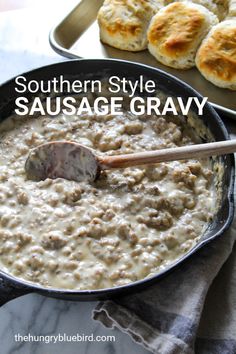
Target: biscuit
{"type": "Point", "coordinates": [123, 23]}
{"type": "Point", "coordinates": [176, 32]}
{"type": "Point", "coordinates": [216, 57]}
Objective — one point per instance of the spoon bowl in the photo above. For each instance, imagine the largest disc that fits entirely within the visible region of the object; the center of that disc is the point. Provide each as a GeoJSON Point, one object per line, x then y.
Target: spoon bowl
{"type": "Point", "coordinates": [63, 159]}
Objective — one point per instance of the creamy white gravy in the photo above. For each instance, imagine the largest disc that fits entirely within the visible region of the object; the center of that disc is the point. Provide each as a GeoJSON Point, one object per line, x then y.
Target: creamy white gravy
{"type": "Point", "coordinates": [128, 225]}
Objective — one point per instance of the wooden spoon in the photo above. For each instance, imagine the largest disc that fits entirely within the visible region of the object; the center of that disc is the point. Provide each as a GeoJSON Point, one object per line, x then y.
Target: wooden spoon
{"type": "Point", "coordinates": [76, 162]}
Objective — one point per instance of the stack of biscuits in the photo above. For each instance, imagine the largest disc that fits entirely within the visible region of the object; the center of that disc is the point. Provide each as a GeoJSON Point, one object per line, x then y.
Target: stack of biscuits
{"type": "Point", "coordinates": [179, 34]}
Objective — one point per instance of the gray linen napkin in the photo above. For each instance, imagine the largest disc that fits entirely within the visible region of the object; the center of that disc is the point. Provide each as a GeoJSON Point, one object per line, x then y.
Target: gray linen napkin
{"type": "Point", "coordinates": [168, 317]}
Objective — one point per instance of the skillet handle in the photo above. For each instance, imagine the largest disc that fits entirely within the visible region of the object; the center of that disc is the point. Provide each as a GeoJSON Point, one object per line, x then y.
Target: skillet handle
{"type": "Point", "coordinates": [9, 292]}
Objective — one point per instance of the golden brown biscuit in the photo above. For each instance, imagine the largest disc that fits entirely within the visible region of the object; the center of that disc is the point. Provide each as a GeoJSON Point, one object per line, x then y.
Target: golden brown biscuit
{"type": "Point", "coordinates": [176, 32]}
{"type": "Point", "coordinates": [216, 58]}
{"type": "Point", "coordinates": [123, 23]}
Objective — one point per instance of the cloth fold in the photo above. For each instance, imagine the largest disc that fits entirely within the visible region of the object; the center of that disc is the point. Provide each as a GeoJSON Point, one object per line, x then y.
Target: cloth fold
{"type": "Point", "coordinates": [166, 317]}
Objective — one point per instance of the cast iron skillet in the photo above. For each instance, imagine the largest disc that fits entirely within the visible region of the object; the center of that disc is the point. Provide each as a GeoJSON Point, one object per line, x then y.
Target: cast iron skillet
{"type": "Point", "coordinates": [11, 287]}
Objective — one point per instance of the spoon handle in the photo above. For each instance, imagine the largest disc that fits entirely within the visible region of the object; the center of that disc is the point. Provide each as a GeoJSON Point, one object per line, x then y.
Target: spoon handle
{"type": "Point", "coordinates": [170, 154]}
